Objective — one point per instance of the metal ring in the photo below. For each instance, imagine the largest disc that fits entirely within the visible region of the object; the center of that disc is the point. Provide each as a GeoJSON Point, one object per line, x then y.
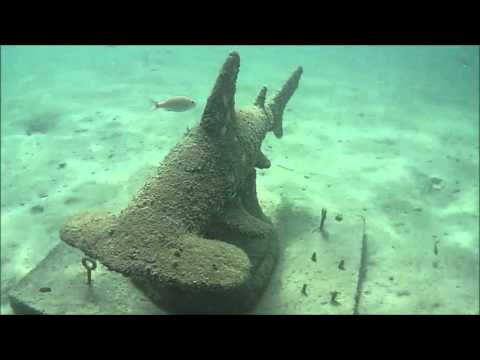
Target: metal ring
{"type": "Point", "coordinates": [89, 264]}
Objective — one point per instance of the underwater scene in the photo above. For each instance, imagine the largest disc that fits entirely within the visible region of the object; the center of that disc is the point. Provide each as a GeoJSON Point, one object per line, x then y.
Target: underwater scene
{"type": "Point", "coordinates": [239, 179]}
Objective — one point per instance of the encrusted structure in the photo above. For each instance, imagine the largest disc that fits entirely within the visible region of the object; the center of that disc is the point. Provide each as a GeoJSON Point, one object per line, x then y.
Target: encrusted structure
{"type": "Point", "coordinates": [194, 238]}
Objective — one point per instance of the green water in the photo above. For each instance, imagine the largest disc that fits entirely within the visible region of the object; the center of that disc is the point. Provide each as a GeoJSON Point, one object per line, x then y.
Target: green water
{"type": "Point", "coordinates": [373, 124]}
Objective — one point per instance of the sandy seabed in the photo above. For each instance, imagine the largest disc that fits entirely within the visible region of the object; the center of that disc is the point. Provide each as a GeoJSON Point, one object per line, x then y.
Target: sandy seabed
{"type": "Point", "coordinates": [364, 134]}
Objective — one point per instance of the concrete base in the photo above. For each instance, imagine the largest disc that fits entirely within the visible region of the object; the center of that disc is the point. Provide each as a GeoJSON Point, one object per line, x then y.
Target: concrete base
{"type": "Point", "coordinates": [62, 272]}
{"type": "Point", "coordinates": [341, 240]}
{"type": "Point", "coordinates": [112, 293]}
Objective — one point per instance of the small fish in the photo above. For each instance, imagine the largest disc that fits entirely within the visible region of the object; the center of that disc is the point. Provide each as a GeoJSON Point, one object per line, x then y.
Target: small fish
{"type": "Point", "coordinates": [176, 103]}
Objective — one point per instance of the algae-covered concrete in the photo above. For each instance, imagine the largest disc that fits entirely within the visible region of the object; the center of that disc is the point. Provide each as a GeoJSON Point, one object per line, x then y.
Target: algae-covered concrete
{"type": "Point", "coordinates": [58, 286]}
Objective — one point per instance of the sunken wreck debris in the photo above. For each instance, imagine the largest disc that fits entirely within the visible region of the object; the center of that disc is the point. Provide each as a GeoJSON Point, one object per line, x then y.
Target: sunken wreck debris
{"type": "Point", "coordinates": [194, 238]}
